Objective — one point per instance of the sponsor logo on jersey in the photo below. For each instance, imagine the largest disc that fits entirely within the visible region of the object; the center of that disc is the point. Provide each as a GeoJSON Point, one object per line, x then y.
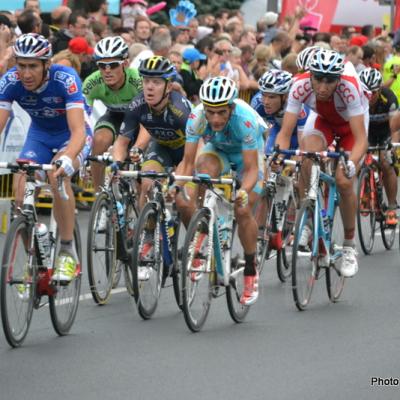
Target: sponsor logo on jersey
{"type": "Point", "coordinates": [248, 124]}
{"type": "Point", "coordinates": [29, 100]}
{"type": "Point", "coordinates": [67, 80]}
{"type": "Point", "coordinates": [248, 139]}
{"type": "Point", "coordinates": [9, 79]}
{"type": "Point", "coordinates": [55, 100]}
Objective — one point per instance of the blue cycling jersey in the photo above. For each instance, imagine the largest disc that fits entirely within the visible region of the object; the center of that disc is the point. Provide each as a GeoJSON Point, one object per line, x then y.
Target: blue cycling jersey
{"type": "Point", "coordinates": [244, 130]}
{"type": "Point", "coordinates": [47, 105]}
{"type": "Point", "coordinates": [276, 122]}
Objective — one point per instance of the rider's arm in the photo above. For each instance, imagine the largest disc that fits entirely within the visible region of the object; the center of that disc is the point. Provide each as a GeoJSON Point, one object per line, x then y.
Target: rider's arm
{"type": "Point", "coordinates": [186, 166]}
{"type": "Point", "coordinates": [394, 122]}
{"type": "Point", "coordinates": [4, 115]}
{"type": "Point", "coordinates": [360, 138]}
{"type": "Point", "coordinates": [288, 124]}
{"type": "Point", "coordinates": [143, 139]}
{"type": "Point", "coordinates": [76, 124]}
{"type": "Point", "coordinates": [120, 148]}
{"type": "Point", "coordinates": [250, 170]}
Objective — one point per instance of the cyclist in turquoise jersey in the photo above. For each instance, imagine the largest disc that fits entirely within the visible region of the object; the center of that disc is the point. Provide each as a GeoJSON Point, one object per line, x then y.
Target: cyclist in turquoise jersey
{"type": "Point", "coordinates": [52, 96]}
{"type": "Point", "coordinates": [233, 133]}
{"type": "Point", "coordinates": [115, 85]}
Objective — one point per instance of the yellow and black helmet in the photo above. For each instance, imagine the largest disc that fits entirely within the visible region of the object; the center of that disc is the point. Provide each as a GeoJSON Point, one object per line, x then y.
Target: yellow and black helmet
{"type": "Point", "coordinates": [157, 67]}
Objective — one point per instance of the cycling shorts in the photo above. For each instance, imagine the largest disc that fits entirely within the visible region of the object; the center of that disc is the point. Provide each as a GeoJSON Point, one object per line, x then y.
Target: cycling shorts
{"type": "Point", "coordinates": [226, 159]}
{"type": "Point", "coordinates": [165, 156]}
{"type": "Point", "coordinates": [318, 126]}
{"type": "Point", "coordinates": [112, 121]}
{"type": "Point", "coordinates": [41, 147]}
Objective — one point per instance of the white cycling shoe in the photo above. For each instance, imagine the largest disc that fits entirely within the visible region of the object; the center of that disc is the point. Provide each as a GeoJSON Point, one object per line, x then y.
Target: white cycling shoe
{"type": "Point", "coordinates": [349, 265]}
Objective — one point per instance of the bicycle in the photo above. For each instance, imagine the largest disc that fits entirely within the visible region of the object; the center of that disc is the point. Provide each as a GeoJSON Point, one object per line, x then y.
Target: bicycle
{"type": "Point", "coordinates": [281, 204]}
{"type": "Point", "coordinates": [27, 267]}
{"type": "Point", "coordinates": [158, 228]}
{"type": "Point", "coordinates": [371, 202]}
{"type": "Point", "coordinates": [207, 262]}
{"type": "Point", "coordinates": [110, 245]}
{"type": "Point", "coordinates": [317, 222]}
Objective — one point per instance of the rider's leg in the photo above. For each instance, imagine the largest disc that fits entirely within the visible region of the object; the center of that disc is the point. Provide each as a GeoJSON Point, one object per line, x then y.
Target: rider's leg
{"type": "Point", "coordinates": [103, 139]}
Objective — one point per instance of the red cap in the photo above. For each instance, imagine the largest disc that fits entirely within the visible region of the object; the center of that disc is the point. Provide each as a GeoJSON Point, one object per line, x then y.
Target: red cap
{"type": "Point", "coordinates": [360, 40]}
{"type": "Point", "coordinates": [79, 45]}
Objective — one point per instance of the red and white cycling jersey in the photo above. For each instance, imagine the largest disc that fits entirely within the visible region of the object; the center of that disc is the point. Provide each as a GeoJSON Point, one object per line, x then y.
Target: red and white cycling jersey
{"type": "Point", "coordinates": [348, 99]}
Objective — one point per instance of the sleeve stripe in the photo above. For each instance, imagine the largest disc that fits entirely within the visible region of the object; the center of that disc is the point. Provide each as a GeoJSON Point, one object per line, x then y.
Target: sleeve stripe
{"type": "Point", "coordinates": [5, 105]}
{"type": "Point", "coordinates": [69, 106]}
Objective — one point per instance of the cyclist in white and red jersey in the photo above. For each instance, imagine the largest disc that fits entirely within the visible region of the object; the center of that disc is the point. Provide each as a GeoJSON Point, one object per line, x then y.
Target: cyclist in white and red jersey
{"type": "Point", "coordinates": [340, 111]}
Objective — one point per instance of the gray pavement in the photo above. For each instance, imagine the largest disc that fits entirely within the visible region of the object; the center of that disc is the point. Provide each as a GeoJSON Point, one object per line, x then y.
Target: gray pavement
{"type": "Point", "coordinates": [329, 351]}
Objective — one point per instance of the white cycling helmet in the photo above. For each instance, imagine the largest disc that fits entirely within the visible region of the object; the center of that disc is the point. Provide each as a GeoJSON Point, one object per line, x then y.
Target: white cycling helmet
{"type": "Point", "coordinates": [371, 78]}
{"type": "Point", "coordinates": [218, 91]}
{"type": "Point", "coordinates": [275, 81]}
{"type": "Point", "coordinates": [303, 58]}
{"type": "Point", "coordinates": [327, 62]}
{"type": "Point", "coordinates": [32, 45]}
{"type": "Point", "coordinates": [111, 47]}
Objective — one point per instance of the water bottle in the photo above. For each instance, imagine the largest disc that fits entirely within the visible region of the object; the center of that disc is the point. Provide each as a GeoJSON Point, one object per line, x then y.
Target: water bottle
{"type": "Point", "coordinates": [325, 220]}
{"type": "Point", "coordinates": [170, 223]}
{"type": "Point", "coordinates": [121, 214]}
{"type": "Point", "coordinates": [43, 239]}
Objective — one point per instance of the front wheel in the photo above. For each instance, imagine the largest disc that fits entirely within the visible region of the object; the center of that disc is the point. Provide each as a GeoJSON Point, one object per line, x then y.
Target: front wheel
{"type": "Point", "coordinates": [304, 262]}
{"type": "Point", "coordinates": [147, 261]}
{"type": "Point", "coordinates": [198, 271]}
{"type": "Point", "coordinates": [18, 281]}
{"type": "Point", "coordinates": [64, 302]}
{"type": "Point", "coordinates": [366, 211]}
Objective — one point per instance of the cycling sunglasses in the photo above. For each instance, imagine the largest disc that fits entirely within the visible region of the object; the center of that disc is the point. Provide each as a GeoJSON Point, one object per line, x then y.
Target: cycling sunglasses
{"type": "Point", "coordinates": [111, 65]}
{"type": "Point", "coordinates": [325, 77]}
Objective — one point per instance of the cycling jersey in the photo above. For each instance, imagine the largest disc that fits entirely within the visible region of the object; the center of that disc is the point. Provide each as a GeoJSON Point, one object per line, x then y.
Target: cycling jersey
{"type": "Point", "coordinates": [47, 108]}
{"type": "Point", "coordinates": [379, 115]}
{"type": "Point", "coordinates": [275, 122]}
{"type": "Point", "coordinates": [244, 131]}
{"type": "Point", "coordinates": [94, 88]}
{"type": "Point", "coordinates": [167, 128]}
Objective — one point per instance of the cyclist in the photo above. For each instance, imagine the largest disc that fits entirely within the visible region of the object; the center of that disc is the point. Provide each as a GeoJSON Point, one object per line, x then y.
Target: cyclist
{"type": "Point", "coordinates": [232, 132]}
{"type": "Point", "coordinates": [383, 108]}
{"type": "Point", "coordinates": [115, 85]}
{"type": "Point", "coordinates": [341, 110]}
{"type": "Point", "coordinates": [52, 96]}
{"type": "Point", "coordinates": [163, 112]}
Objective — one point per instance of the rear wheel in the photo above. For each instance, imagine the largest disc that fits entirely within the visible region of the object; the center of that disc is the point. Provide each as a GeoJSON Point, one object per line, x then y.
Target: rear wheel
{"type": "Point", "coordinates": [304, 262]}
{"type": "Point", "coordinates": [64, 302]}
{"type": "Point", "coordinates": [18, 281]}
{"type": "Point", "coordinates": [198, 273]}
{"type": "Point", "coordinates": [147, 261]}
{"type": "Point", "coordinates": [101, 245]}
{"type": "Point", "coordinates": [177, 267]}
{"type": "Point", "coordinates": [388, 232]}
{"type": "Point", "coordinates": [366, 211]}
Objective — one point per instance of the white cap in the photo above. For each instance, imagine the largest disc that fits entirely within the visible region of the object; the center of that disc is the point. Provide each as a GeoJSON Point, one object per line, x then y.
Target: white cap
{"type": "Point", "coordinates": [270, 18]}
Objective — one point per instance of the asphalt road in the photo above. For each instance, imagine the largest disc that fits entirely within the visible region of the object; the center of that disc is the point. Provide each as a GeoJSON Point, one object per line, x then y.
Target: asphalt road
{"type": "Point", "coordinates": [330, 351]}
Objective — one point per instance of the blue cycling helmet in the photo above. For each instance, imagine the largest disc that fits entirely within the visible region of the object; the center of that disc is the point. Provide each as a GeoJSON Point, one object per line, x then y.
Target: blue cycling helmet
{"type": "Point", "coordinates": [275, 81]}
{"type": "Point", "coordinates": [327, 62]}
{"type": "Point", "coordinates": [32, 45]}
{"type": "Point", "coordinates": [218, 91]}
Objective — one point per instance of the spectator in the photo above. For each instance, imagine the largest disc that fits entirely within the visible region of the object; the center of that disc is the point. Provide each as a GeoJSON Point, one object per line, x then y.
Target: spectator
{"type": "Point", "coordinates": [33, 5]}
{"type": "Point", "coordinates": [289, 63]}
{"type": "Point", "coordinates": [280, 45]}
{"type": "Point", "coordinates": [222, 17]}
{"type": "Point", "coordinates": [127, 34]}
{"type": "Point", "coordinates": [206, 45]}
{"type": "Point", "coordinates": [271, 21]}
{"type": "Point", "coordinates": [29, 22]}
{"type": "Point", "coordinates": [78, 25]}
{"type": "Point", "coordinates": [194, 31]}
{"type": "Point", "coordinates": [6, 54]}
{"type": "Point", "coordinates": [99, 30]}
{"type": "Point", "coordinates": [97, 10]}
{"type": "Point", "coordinates": [391, 72]}
{"type": "Point", "coordinates": [262, 55]}
{"type": "Point", "coordinates": [59, 18]}
{"type": "Point", "coordinates": [355, 56]}
{"type": "Point", "coordinates": [338, 44]}
{"type": "Point", "coordinates": [368, 32]}
{"type": "Point", "coordinates": [189, 72]}
{"type": "Point", "coordinates": [235, 30]}
{"type": "Point", "coordinates": [248, 38]}
{"type": "Point", "coordinates": [142, 30]}
{"type": "Point", "coordinates": [135, 49]}
{"type": "Point", "coordinates": [180, 35]}
{"type": "Point", "coordinates": [246, 58]}
{"type": "Point", "coordinates": [176, 58]}
{"type": "Point", "coordinates": [369, 59]}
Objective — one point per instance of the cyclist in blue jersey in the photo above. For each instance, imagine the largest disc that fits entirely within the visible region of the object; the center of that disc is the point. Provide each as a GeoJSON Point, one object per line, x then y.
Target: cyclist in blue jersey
{"type": "Point", "coordinates": [232, 133]}
{"type": "Point", "coordinates": [270, 103]}
{"type": "Point", "coordinates": [52, 96]}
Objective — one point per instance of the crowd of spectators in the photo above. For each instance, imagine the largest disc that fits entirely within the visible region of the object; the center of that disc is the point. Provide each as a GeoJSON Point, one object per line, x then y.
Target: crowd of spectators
{"type": "Point", "coordinates": [210, 45]}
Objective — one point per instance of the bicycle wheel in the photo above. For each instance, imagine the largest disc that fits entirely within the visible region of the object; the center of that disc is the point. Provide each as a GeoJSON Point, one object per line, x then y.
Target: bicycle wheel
{"type": "Point", "coordinates": [147, 261]}
{"type": "Point", "coordinates": [388, 232]}
{"type": "Point", "coordinates": [197, 271]}
{"type": "Point", "coordinates": [334, 279]}
{"type": "Point", "coordinates": [265, 234]}
{"type": "Point", "coordinates": [64, 302]}
{"type": "Point", "coordinates": [176, 272]}
{"type": "Point", "coordinates": [304, 262]}
{"type": "Point", "coordinates": [234, 291]}
{"type": "Point", "coordinates": [366, 216]}
{"type": "Point", "coordinates": [101, 245]}
{"type": "Point", "coordinates": [284, 256]}
{"type": "Point", "coordinates": [18, 281]}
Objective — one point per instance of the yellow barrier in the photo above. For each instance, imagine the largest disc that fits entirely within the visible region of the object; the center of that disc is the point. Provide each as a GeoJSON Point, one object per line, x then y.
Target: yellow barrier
{"type": "Point", "coordinates": [246, 95]}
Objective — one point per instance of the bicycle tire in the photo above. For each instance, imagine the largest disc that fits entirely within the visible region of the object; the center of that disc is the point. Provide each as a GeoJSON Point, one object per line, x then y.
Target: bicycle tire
{"type": "Point", "coordinates": [237, 311]}
{"type": "Point", "coordinates": [284, 255]}
{"type": "Point", "coordinates": [263, 242]}
{"type": "Point", "coordinates": [147, 290]}
{"type": "Point", "coordinates": [67, 296]}
{"type": "Point", "coordinates": [333, 277]}
{"type": "Point", "coordinates": [20, 228]}
{"type": "Point", "coordinates": [101, 273]}
{"type": "Point", "coordinates": [304, 276]}
{"type": "Point", "coordinates": [366, 216]}
{"type": "Point", "coordinates": [176, 272]}
{"type": "Point", "coordinates": [388, 233]}
{"type": "Point", "coordinates": [196, 303]}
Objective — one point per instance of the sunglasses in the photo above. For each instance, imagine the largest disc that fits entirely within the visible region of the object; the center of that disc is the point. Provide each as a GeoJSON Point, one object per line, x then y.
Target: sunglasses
{"type": "Point", "coordinates": [111, 65]}
{"type": "Point", "coordinates": [325, 78]}
{"type": "Point", "coordinates": [222, 52]}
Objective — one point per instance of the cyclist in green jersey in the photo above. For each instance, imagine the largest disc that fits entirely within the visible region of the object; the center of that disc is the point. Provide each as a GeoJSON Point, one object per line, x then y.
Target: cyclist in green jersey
{"type": "Point", "coordinates": [115, 85]}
